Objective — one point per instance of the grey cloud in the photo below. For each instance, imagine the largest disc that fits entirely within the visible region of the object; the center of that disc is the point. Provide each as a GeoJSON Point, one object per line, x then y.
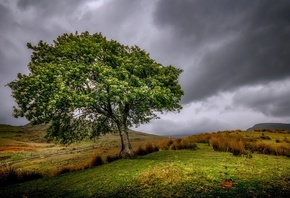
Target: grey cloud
{"type": "Point", "coordinates": [271, 99]}
{"type": "Point", "coordinates": [195, 126]}
{"type": "Point", "coordinates": [236, 43]}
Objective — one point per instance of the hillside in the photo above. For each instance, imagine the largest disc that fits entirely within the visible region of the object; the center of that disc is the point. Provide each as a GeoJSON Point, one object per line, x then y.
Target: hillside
{"type": "Point", "coordinates": [27, 148]}
{"type": "Point", "coordinates": [272, 126]}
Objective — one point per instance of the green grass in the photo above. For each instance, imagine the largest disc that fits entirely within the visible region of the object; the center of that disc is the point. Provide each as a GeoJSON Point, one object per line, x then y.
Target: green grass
{"type": "Point", "coordinates": [184, 173]}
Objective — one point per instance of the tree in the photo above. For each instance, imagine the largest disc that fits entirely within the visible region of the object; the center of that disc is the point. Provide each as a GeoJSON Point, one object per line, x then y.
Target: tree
{"type": "Point", "coordinates": [84, 85]}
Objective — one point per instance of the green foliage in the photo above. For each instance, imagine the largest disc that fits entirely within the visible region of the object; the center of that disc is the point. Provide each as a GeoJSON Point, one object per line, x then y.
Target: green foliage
{"type": "Point", "coordinates": [85, 85]}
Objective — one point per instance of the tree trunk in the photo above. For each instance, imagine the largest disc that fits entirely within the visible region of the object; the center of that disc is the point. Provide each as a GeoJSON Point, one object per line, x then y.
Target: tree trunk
{"type": "Point", "coordinates": [126, 151]}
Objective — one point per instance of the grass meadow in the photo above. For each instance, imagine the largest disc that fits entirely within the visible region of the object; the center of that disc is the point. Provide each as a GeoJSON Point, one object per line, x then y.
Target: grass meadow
{"type": "Point", "coordinates": [220, 164]}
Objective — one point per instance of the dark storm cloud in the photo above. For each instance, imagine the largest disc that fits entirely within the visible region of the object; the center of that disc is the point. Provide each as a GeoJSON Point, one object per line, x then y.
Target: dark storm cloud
{"type": "Point", "coordinates": [51, 7]}
{"type": "Point", "coordinates": [234, 43]}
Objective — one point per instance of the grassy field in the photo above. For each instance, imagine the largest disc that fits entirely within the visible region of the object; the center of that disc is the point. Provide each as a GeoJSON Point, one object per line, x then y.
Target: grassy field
{"type": "Point", "coordinates": [184, 173]}
{"type": "Point", "coordinates": [202, 172]}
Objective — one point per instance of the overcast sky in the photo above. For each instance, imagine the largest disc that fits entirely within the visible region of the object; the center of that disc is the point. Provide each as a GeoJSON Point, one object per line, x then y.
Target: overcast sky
{"type": "Point", "coordinates": [235, 54]}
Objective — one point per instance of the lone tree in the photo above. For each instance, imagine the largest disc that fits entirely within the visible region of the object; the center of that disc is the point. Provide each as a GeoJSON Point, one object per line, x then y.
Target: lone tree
{"type": "Point", "coordinates": [84, 85]}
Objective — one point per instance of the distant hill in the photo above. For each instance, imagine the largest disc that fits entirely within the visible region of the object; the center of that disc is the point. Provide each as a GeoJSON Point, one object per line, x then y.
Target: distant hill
{"type": "Point", "coordinates": [271, 126]}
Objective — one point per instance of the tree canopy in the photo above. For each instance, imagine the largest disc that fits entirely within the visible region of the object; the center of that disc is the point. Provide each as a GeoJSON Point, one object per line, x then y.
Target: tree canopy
{"type": "Point", "coordinates": [84, 85]}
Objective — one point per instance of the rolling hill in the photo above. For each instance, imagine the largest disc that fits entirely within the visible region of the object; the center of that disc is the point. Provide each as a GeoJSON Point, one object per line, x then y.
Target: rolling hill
{"type": "Point", "coordinates": [272, 126]}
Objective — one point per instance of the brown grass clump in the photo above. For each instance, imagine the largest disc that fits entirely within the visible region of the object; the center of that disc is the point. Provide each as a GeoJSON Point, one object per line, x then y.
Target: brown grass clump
{"type": "Point", "coordinates": [165, 144]}
{"type": "Point", "coordinates": [283, 149]}
{"type": "Point", "coordinates": [219, 143]}
{"type": "Point", "coordinates": [232, 143]}
{"type": "Point", "coordinates": [149, 148]}
{"type": "Point", "coordinates": [278, 148]}
{"type": "Point", "coordinates": [263, 148]}
{"type": "Point", "coordinates": [178, 144]}
{"type": "Point", "coordinates": [237, 147]}
{"type": "Point", "coordinates": [187, 143]}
